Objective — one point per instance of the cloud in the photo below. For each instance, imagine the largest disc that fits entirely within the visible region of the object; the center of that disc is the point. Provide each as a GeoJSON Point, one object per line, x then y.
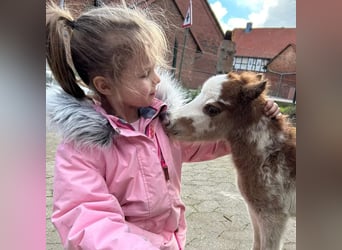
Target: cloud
{"type": "Point", "coordinates": [218, 10]}
{"type": "Point", "coordinates": [258, 18]}
{"type": "Point", "coordinates": [253, 5]}
{"type": "Point", "coordinates": [263, 13]}
{"type": "Point", "coordinates": [282, 15]}
{"type": "Point", "coordinates": [235, 23]}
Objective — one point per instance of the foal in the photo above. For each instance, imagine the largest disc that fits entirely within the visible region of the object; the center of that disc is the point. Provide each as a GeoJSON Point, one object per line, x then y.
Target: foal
{"type": "Point", "coordinates": [263, 149]}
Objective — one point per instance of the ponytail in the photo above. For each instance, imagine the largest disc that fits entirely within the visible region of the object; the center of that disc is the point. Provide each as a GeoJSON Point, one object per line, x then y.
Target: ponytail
{"type": "Point", "coordinates": [59, 24]}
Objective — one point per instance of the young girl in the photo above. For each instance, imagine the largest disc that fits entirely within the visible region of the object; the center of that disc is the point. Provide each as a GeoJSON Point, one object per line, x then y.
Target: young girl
{"type": "Point", "coordinates": [117, 176]}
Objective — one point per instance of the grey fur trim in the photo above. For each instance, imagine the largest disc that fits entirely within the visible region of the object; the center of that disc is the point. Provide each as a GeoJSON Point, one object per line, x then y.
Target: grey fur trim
{"type": "Point", "coordinates": [77, 120]}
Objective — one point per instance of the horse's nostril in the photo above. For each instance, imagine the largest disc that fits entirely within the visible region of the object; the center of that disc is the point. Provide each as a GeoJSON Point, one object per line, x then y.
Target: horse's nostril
{"type": "Point", "coordinates": [175, 132]}
{"type": "Point", "coordinates": [164, 116]}
{"type": "Point", "coordinates": [166, 123]}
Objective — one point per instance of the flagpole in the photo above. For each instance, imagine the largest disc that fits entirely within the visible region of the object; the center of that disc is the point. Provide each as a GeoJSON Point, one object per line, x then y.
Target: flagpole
{"type": "Point", "coordinates": [181, 61]}
{"type": "Point", "coordinates": [186, 24]}
{"type": "Point", "coordinates": [61, 4]}
{"type": "Point", "coordinates": [174, 60]}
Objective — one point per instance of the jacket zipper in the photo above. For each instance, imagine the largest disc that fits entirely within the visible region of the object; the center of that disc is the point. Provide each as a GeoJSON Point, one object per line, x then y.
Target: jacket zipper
{"type": "Point", "coordinates": [179, 246]}
{"type": "Point", "coordinates": [162, 162]}
{"type": "Point", "coordinates": [148, 133]}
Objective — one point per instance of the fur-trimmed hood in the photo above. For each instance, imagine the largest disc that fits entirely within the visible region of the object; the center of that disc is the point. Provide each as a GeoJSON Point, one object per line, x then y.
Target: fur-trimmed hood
{"type": "Point", "coordinates": [78, 121]}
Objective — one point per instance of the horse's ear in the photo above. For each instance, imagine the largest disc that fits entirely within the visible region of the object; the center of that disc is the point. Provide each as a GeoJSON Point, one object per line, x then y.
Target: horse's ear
{"type": "Point", "coordinates": [232, 75]}
{"type": "Point", "coordinates": [251, 92]}
{"type": "Point", "coordinates": [259, 76]}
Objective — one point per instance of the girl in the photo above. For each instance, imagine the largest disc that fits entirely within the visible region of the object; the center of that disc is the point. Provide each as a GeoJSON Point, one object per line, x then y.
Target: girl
{"type": "Point", "coordinates": [117, 174]}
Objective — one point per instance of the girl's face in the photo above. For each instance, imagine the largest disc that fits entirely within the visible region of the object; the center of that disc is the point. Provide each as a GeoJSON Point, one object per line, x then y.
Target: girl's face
{"type": "Point", "coordinates": [138, 85]}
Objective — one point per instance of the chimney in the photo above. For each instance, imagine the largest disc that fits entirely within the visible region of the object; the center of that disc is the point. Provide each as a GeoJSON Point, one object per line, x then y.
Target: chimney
{"type": "Point", "coordinates": [248, 27]}
{"type": "Point", "coordinates": [228, 35]}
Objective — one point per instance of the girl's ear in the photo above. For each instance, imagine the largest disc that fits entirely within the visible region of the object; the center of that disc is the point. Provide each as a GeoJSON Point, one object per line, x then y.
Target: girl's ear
{"type": "Point", "coordinates": [102, 85]}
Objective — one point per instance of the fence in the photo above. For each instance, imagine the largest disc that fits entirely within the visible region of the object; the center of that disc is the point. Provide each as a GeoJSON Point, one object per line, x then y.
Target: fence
{"type": "Point", "coordinates": [283, 86]}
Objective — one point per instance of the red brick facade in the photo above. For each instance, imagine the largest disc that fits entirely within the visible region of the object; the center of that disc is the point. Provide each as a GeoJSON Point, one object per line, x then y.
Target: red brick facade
{"type": "Point", "coordinates": [285, 61]}
{"type": "Point", "coordinates": [201, 57]}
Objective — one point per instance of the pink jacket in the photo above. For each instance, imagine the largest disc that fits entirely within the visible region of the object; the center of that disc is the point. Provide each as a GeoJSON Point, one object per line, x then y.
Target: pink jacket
{"type": "Point", "coordinates": [117, 188]}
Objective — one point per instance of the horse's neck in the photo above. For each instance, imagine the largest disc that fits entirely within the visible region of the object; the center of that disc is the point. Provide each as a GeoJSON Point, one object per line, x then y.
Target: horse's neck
{"type": "Point", "coordinates": [255, 138]}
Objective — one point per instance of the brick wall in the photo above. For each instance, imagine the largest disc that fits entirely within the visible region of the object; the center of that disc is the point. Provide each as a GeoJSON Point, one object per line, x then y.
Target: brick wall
{"type": "Point", "coordinates": [201, 65]}
{"type": "Point", "coordinates": [284, 62]}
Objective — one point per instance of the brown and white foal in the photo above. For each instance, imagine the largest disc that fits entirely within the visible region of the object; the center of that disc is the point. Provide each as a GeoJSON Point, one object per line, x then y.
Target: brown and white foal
{"type": "Point", "coordinates": [263, 149]}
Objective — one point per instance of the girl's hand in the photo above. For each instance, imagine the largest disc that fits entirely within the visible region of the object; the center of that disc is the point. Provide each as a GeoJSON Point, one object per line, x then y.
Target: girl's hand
{"type": "Point", "coordinates": [271, 109]}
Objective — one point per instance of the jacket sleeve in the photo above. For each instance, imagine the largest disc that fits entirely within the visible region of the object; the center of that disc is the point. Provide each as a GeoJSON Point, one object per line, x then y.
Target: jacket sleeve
{"type": "Point", "coordinates": [203, 151]}
{"type": "Point", "coordinates": [85, 214]}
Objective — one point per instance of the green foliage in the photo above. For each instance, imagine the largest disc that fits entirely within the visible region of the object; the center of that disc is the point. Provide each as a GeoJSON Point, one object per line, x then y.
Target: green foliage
{"type": "Point", "coordinates": [192, 93]}
{"type": "Point", "coordinates": [287, 109]}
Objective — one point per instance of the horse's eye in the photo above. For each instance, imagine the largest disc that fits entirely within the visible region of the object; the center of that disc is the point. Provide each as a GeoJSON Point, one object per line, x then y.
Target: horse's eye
{"type": "Point", "coordinates": [211, 110]}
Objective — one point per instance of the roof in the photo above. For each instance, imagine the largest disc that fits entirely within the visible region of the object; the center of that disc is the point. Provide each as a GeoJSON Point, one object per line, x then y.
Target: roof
{"type": "Point", "coordinates": [263, 42]}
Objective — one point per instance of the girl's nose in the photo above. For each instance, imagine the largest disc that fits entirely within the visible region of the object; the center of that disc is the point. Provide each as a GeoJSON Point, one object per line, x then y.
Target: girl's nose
{"type": "Point", "coordinates": [155, 77]}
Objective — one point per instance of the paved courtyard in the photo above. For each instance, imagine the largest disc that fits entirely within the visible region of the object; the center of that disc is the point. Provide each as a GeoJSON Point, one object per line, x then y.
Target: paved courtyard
{"type": "Point", "coordinates": [216, 214]}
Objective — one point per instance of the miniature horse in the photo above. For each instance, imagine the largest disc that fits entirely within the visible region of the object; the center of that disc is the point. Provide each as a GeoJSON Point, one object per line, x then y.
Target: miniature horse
{"type": "Point", "coordinates": [263, 149]}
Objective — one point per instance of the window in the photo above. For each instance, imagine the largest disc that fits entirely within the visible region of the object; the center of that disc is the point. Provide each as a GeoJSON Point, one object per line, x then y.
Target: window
{"type": "Point", "coordinates": [250, 63]}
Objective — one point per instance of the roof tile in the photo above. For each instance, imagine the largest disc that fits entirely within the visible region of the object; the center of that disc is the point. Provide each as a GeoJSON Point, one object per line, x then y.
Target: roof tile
{"type": "Point", "coordinates": [263, 42]}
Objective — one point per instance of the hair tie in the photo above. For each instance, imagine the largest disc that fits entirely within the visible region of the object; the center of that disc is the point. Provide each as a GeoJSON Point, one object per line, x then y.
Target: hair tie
{"type": "Point", "coordinates": [70, 23]}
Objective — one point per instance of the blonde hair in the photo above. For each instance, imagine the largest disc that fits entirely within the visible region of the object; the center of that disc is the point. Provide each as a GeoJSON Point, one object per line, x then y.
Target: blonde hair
{"type": "Point", "coordinates": [100, 42]}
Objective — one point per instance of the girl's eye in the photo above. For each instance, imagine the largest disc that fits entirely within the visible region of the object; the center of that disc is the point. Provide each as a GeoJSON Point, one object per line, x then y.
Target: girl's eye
{"type": "Point", "coordinates": [145, 74]}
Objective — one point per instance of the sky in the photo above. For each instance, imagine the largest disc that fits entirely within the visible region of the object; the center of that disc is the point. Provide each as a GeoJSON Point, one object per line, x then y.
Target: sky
{"type": "Point", "coordinates": [262, 13]}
